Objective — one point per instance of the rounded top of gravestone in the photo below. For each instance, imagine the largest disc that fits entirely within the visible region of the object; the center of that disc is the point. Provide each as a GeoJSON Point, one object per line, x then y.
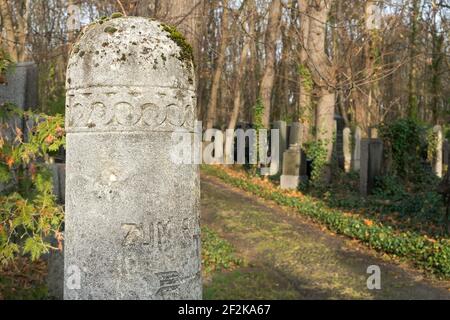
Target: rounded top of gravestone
{"type": "Point", "coordinates": [130, 52]}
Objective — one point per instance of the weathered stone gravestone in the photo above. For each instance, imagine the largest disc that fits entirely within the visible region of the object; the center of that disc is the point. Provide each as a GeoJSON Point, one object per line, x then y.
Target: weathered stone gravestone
{"type": "Point", "coordinates": [371, 164]}
{"type": "Point", "coordinates": [339, 126]}
{"type": "Point", "coordinates": [291, 169]}
{"type": "Point", "coordinates": [438, 152]}
{"type": "Point", "coordinates": [21, 88]}
{"type": "Point", "coordinates": [295, 135]}
{"type": "Point", "coordinates": [357, 150]}
{"type": "Point", "coordinates": [132, 215]}
{"type": "Point", "coordinates": [59, 181]}
{"type": "Point", "coordinates": [446, 154]}
{"type": "Point", "coordinates": [293, 160]}
{"type": "Point", "coordinates": [347, 149]}
{"type": "Point", "coordinates": [281, 126]}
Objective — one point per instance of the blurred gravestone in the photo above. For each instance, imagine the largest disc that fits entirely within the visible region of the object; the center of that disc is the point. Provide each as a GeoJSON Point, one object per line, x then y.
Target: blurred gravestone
{"type": "Point", "coordinates": [357, 150]}
{"type": "Point", "coordinates": [291, 169]}
{"type": "Point", "coordinates": [339, 140]}
{"type": "Point", "coordinates": [59, 181]}
{"type": "Point", "coordinates": [281, 126]}
{"type": "Point", "coordinates": [446, 154]}
{"type": "Point", "coordinates": [438, 152]}
{"type": "Point", "coordinates": [347, 149]}
{"type": "Point", "coordinates": [295, 135]}
{"type": "Point", "coordinates": [293, 159]}
{"type": "Point", "coordinates": [371, 164]}
{"type": "Point", "coordinates": [21, 88]}
{"type": "Point", "coordinates": [132, 212]}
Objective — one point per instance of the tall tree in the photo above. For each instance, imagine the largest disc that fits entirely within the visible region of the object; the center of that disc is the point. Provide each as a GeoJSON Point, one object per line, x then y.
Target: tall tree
{"type": "Point", "coordinates": [186, 15]}
{"type": "Point", "coordinates": [267, 82]}
{"type": "Point", "coordinates": [413, 64]}
{"type": "Point", "coordinates": [305, 81]}
{"type": "Point", "coordinates": [323, 76]}
{"type": "Point", "coordinates": [213, 100]}
{"type": "Point", "coordinates": [15, 18]}
{"type": "Point", "coordinates": [237, 99]}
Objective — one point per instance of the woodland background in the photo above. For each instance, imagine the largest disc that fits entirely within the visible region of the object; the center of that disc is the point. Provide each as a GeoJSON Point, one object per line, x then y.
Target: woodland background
{"type": "Point", "coordinates": [383, 64]}
{"type": "Point", "coordinates": [369, 61]}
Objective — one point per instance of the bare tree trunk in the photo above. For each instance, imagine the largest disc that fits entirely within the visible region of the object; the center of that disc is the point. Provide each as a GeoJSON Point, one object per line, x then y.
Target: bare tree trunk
{"type": "Point", "coordinates": [240, 75]}
{"type": "Point", "coordinates": [323, 76]}
{"type": "Point", "coordinates": [186, 15]}
{"type": "Point", "coordinates": [254, 71]}
{"type": "Point", "coordinates": [305, 83]}
{"type": "Point", "coordinates": [267, 82]}
{"type": "Point", "coordinates": [436, 67]}
{"type": "Point", "coordinates": [413, 72]}
{"type": "Point", "coordinates": [372, 51]}
{"type": "Point", "coordinates": [8, 26]}
{"type": "Point", "coordinates": [212, 106]}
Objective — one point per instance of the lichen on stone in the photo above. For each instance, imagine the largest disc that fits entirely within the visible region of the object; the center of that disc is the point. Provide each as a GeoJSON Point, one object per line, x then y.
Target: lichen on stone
{"type": "Point", "coordinates": [110, 30]}
{"type": "Point", "coordinates": [116, 15]}
{"type": "Point", "coordinates": [186, 52]}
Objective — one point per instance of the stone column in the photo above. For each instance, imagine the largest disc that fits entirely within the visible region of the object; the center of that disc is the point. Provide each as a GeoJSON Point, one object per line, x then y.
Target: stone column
{"type": "Point", "coordinates": [132, 214]}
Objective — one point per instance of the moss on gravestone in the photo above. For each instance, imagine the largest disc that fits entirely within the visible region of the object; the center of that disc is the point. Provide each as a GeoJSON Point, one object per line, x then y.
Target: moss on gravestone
{"type": "Point", "coordinates": [186, 53]}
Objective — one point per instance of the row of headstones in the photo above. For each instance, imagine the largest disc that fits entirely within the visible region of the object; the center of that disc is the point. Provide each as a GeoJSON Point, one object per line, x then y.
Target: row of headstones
{"type": "Point", "coordinates": [357, 154]}
{"type": "Point", "coordinates": [363, 155]}
{"type": "Point", "coordinates": [371, 157]}
{"type": "Point", "coordinates": [294, 162]}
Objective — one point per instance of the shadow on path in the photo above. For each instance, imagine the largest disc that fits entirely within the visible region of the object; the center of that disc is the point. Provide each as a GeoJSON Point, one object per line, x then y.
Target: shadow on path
{"type": "Point", "coordinates": [288, 257]}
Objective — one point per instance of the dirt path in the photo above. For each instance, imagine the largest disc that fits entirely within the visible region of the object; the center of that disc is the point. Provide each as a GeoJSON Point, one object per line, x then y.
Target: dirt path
{"type": "Point", "coordinates": [288, 257]}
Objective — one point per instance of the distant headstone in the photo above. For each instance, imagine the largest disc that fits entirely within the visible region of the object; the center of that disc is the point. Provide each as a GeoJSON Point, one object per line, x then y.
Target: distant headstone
{"type": "Point", "coordinates": [132, 213]}
{"type": "Point", "coordinates": [55, 275]}
{"type": "Point", "coordinates": [283, 141]}
{"type": "Point", "coordinates": [438, 152]}
{"type": "Point", "coordinates": [371, 164]}
{"type": "Point", "coordinates": [446, 154]}
{"type": "Point", "coordinates": [21, 88]}
{"type": "Point", "coordinates": [339, 141]}
{"type": "Point", "coordinates": [291, 169]}
{"type": "Point", "coordinates": [296, 135]}
{"type": "Point", "coordinates": [59, 181]}
{"type": "Point", "coordinates": [303, 167]}
{"type": "Point", "coordinates": [357, 150]}
{"type": "Point", "coordinates": [347, 149]}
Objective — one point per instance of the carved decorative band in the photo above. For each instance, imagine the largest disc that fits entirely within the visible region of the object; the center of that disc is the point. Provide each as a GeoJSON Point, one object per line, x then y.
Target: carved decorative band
{"type": "Point", "coordinates": [123, 115]}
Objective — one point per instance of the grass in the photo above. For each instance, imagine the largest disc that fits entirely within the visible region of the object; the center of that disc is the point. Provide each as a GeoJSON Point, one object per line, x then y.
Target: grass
{"type": "Point", "coordinates": [433, 255]}
{"type": "Point", "coordinates": [217, 253]}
